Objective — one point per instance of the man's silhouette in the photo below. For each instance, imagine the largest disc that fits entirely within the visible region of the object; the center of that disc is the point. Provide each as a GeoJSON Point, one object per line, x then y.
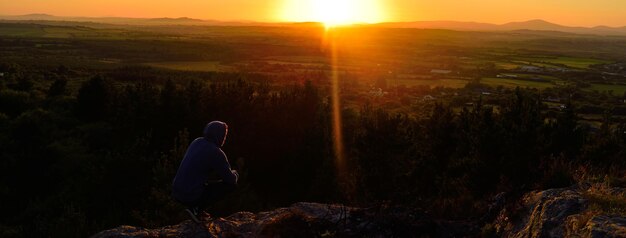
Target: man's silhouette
{"type": "Point", "coordinates": [204, 175]}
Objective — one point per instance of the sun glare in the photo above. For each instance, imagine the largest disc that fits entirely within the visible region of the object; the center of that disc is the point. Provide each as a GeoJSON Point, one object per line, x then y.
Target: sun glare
{"type": "Point", "coordinates": [333, 12]}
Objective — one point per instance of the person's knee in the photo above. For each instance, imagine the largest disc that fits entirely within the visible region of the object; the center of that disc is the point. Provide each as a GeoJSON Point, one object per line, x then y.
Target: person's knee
{"type": "Point", "coordinates": [229, 187]}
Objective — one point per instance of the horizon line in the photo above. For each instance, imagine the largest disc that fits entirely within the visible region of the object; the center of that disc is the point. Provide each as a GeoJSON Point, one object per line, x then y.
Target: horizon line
{"type": "Point", "coordinates": [296, 22]}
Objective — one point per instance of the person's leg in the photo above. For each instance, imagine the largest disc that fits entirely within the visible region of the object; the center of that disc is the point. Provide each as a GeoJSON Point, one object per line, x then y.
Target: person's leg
{"type": "Point", "coordinates": [193, 210]}
{"type": "Point", "coordinates": [215, 192]}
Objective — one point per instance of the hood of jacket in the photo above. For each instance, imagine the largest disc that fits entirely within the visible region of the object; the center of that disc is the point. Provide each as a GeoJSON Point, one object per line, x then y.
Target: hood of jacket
{"type": "Point", "coordinates": [216, 132]}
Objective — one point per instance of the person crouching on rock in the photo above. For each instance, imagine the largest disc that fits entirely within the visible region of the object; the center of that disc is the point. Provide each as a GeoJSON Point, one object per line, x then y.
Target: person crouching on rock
{"type": "Point", "coordinates": [204, 175]}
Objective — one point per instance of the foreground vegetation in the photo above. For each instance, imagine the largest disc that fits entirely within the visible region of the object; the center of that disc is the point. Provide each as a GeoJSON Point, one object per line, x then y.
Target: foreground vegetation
{"type": "Point", "coordinates": [71, 158]}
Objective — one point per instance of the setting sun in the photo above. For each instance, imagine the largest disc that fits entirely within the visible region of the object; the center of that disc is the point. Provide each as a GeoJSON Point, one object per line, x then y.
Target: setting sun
{"type": "Point", "coordinates": [333, 12]}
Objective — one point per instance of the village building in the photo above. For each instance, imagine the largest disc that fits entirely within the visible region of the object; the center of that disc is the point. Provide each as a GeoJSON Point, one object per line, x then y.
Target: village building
{"type": "Point", "coordinates": [530, 69]}
{"type": "Point", "coordinates": [377, 92]}
{"type": "Point", "coordinates": [440, 71]}
{"type": "Point", "coordinates": [428, 98]}
{"type": "Point", "coordinates": [506, 76]}
{"type": "Point", "coordinates": [553, 99]}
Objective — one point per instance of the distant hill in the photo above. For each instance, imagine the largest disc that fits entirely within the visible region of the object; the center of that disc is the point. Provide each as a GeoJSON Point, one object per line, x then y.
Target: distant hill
{"type": "Point", "coordinates": [452, 25]}
{"type": "Point", "coordinates": [533, 25]}
{"type": "Point", "coordinates": [124, 20]}
{"type": "Point", "coordinates": [32, 17]}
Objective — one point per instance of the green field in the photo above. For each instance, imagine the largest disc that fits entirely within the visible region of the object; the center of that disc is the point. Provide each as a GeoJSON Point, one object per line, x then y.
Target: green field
{"type": "Point", "coordinates": [473, 63]}
{"type": "Point", "coordinates": [618, 90]}
{"type": "Point", "coordinates": [531, 76]}
{"type": "Point", "coordinates": [572, 62]}
{"type": "Point", "coordinates": [205, 66]}
{"type": "Point", "coordinates": [535, 63]}
{"type": "Point", "coordinates": [512, 83]}
{"type": "Point", "coordinates": [548, 62]}
{"type": "Point", "coordinates": [507, 65]}
{"type": "Point", "coordinates": [22, 32]}
{"type": "Point", "coordinates": [581, 63]}
{"type": "Point", "coordinates": [448, 83]}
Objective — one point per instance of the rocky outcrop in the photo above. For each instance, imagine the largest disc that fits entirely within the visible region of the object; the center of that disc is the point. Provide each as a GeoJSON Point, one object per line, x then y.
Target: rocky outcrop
{"type": "Point", "coordinates": [301, 220]}
{"type": "Point", "coordinates": [598, 226]}
{"type": "Point", "coordinates": [564, 212]}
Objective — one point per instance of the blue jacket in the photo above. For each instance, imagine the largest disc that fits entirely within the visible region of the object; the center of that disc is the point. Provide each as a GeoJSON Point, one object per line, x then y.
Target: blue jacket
{"type": "Point", "coordinates": [204, 161]}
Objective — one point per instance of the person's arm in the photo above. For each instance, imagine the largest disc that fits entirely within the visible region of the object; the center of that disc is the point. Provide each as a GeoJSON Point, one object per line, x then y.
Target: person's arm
{"type": "Point", "coordinates": [222, 167]}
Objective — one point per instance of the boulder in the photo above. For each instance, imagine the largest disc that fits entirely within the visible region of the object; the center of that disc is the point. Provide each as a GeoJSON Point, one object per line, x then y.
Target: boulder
{"type": "Point", "coordinates": [562, 212]}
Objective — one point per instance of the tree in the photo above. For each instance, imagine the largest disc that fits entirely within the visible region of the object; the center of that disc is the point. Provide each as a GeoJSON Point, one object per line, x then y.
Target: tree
{"type": "Point", "coordinates": [58, 87]}
{"type": "Point", "coordinates": [94, 99]}
{"type": "Point", "coordinates": [24, 83]}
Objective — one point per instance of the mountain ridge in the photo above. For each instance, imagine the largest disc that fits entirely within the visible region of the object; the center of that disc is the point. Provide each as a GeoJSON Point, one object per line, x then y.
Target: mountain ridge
{"type": "Point", "coordinates": [533, 24]}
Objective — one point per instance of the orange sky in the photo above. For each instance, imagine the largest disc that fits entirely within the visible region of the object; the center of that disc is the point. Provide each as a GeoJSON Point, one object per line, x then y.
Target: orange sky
{"type": "Point", "coordinates": [567, 12]}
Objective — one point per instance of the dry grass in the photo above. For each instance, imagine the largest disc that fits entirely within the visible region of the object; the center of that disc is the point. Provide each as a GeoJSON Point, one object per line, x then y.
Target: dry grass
{"type": "Point", "coordinates": [603, 198]}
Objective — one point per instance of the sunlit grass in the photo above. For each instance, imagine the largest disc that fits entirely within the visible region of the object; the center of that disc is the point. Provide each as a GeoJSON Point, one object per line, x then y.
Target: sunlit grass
{"type": "Point", "coordinates": [607, 203]}
{"type": "Point", "coordinates": [581, 63]}
{"type": "Point", "coordinates": [602, 197]}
